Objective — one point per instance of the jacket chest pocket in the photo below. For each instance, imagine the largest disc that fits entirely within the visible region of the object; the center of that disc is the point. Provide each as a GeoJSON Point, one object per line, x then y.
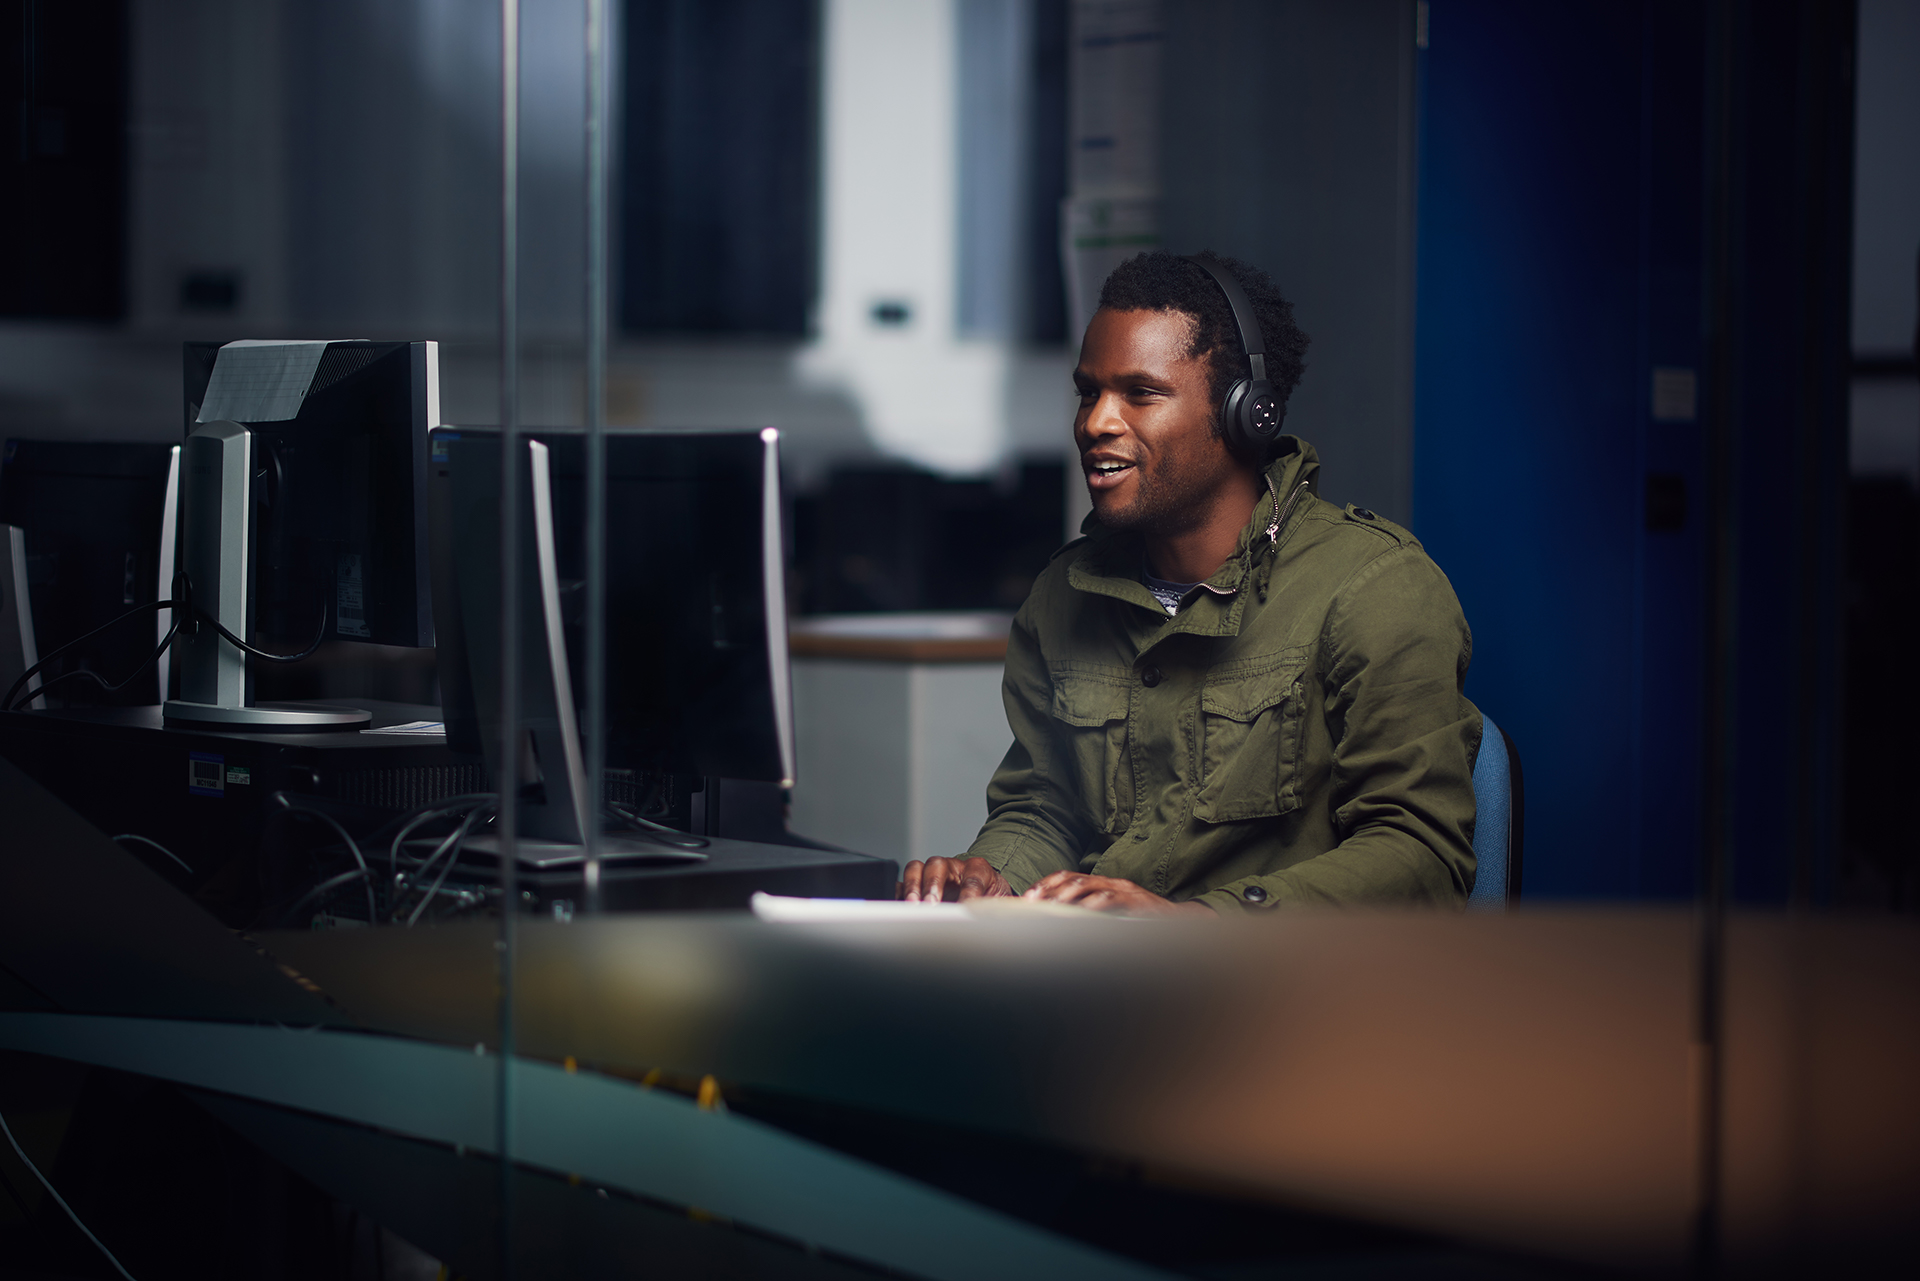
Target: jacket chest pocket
{"type": "Point", "coordinates": [1090, 722]}
{"type": "Point", "coordinates": [1251, 725]}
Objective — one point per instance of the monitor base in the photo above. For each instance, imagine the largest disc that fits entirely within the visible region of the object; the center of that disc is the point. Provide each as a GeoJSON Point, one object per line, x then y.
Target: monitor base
{"type": "Point", "coordinates": [536, 852]}
{"type": "Point", "coordinates": [267, 716]}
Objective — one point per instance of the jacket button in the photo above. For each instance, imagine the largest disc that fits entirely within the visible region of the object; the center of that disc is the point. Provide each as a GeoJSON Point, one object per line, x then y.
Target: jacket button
{"type": "Point", "coordinates": [1363, 513]}
{"type": "Point", "coordinates": [1254, 894]}
{"type": "Point", "coordinates": [1150, 677]}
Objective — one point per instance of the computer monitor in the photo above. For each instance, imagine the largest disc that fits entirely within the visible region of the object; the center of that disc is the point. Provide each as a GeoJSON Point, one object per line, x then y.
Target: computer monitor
{"type": "Point", "coordinates": [303, 510]}
{"type": "Point", "coordinates": [697, 672]}
{"type": "Point", "coordinates": [86, 533]}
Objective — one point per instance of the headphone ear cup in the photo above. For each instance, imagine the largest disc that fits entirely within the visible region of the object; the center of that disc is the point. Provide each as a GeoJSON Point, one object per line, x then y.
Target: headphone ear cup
{"type": "Point", "coordinates": [1264, 413]}
{"type": "Point", "coordinates": [1251, 415]}
{"type": "Point", "coordinates": [1234, 420]}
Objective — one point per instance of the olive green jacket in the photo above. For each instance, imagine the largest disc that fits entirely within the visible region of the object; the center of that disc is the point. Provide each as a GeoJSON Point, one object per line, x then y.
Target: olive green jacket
{"type": "Point", "coordinates": [1295, 734]}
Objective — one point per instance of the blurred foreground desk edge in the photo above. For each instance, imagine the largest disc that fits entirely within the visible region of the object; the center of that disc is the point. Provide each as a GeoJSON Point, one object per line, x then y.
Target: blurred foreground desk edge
{"type": "Point", "coordinates": [1380, 1088]}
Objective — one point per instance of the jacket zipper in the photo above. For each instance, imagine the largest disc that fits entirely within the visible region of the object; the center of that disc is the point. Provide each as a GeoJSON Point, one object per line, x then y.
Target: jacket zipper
{"type": "Point", "coordinates": [1273, 530]}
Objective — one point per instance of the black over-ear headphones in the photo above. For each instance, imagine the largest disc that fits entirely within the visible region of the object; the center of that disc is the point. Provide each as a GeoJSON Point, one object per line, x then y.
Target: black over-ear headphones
{"type": "Point", "coordinates": [1251, 412]}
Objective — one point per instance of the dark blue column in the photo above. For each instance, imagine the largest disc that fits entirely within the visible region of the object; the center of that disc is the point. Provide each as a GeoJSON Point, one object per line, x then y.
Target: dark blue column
{"type": "Point", "coordinates": [1564, 239]}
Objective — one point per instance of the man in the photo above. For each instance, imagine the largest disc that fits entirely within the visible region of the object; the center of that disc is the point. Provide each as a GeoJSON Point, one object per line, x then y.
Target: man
{"type": "Point", "coordinates": [1230, 695]}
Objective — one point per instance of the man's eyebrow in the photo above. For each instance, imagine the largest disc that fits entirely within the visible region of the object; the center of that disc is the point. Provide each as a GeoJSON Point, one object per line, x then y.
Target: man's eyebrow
{"type": "Point", "coordinates": [1126, 377]}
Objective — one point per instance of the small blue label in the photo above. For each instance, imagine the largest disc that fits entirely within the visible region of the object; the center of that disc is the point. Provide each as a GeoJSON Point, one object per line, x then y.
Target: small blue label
{"type": "Point", "coordinates": [206, 775]}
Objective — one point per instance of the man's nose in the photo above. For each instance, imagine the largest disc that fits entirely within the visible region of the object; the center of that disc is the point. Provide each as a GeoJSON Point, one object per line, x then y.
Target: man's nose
{"type": "Point", "coordinates": [1104, 418]}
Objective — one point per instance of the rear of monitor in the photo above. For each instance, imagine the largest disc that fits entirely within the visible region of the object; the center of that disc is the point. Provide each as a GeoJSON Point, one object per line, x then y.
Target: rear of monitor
{"type": "Point", "coordinates": [697, 620]}
{"type": "Point", "coordinates": [87, 528]}
{"type": "Point", "coordinates": [216, 541]}
{"type": "Point", "coordinates": [304, 520]}
{"type": "Point", "coordinates": [19, 650]}
{"type": "Point", "coordinates": [552, 796]}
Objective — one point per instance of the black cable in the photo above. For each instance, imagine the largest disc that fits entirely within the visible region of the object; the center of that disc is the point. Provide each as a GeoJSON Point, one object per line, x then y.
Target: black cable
{"type": "Point", "coordinates": [151, 607]}
{"type": "Point", "coordinates": [659, 831]}
{"type": "Point", "coordinates": [241, 645]}
{"type": "Point", "coordinates": [452, 804]}
{"type": "Point", "coordinates": [286, 806]}
{"type": "Point", "coordinates": [58, 1199]}
{"type": "Point", "coordinates": [442, 844]}
{"type": "Point", "coordinates": [287, 803]}
{"type": "Point", "coordinates": [95, 677]}
{"type": "Point", "coordinates": [449, 844]}
{"type": "Point", "coordinates": [148, 840]}
{"type": "Point", "coordinates": [452, 843]}
{"type": "Point", "coordinates": [181, 603]}
{"type": "Point", "coordinates": [331, 883]}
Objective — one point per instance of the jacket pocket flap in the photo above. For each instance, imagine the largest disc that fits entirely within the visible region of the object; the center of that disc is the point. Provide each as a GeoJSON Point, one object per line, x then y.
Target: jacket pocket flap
{"type": "Point", "coordinates": [1243, 695]}
{"type": "Point", "coordinates": [1086, 699]}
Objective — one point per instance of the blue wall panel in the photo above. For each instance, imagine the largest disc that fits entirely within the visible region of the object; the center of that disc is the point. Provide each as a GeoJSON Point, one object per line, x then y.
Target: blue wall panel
{"type": "Point", "coordinates": [1559, 256]}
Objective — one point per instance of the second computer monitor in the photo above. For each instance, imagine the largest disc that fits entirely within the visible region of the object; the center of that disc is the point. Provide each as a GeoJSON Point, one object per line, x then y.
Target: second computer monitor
{"type": "Point", "coordinates": [696, 641]}
{"type": "Point", "coordinates": [337, 521]}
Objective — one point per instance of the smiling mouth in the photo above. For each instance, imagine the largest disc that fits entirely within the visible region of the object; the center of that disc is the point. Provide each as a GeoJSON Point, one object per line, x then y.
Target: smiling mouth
{"type": "Point", "coordinates": [1108, 468]}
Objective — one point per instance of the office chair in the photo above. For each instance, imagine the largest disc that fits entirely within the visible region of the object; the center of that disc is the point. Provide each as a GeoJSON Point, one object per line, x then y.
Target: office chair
{"type": "Point", "coordinates": [1498, 827]}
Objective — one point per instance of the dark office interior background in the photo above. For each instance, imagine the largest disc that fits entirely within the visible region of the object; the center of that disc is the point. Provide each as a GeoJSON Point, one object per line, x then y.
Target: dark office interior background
{"type": "Point", "coordinates": [1614, 307]}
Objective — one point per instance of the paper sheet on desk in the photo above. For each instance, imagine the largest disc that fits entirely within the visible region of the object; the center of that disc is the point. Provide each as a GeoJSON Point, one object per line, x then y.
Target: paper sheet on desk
{"type": "Point", "coordinates": [840, 911]}
{"type": "Point", "coordinates": [261, 381]}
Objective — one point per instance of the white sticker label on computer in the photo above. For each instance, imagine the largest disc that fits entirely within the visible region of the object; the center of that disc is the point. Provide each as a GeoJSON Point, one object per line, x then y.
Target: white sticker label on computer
{"type": "Point", "coordinates": [206, 774]}
{"type": "Point", "coordinates": [350, 600]}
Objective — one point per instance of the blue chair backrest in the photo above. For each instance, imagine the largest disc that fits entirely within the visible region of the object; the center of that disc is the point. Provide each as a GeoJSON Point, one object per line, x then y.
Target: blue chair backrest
{"type": "Point", "coordinates": [1493, 820]}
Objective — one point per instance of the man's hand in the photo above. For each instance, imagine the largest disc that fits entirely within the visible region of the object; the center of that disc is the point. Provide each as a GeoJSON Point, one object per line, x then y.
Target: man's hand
{"type": "Point", "coordinates": [941, 879]}
{"type": "Point", "coordinates": [1110, 894]}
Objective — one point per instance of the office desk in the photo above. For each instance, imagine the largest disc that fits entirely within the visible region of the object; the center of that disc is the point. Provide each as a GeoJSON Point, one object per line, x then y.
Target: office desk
{"type": "Point", "coordinates": [727, 879]}
{"type": "Point", "coordinates": [126, 772]}
{"type": "Point", "coordinates": [201, 791]}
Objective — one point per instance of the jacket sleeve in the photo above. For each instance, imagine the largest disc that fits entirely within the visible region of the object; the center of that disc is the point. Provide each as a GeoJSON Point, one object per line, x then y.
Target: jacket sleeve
{"type": "Point", "coordinates": [1033, 826]}
{"type": "Point", "coordinates": [1396, 648]}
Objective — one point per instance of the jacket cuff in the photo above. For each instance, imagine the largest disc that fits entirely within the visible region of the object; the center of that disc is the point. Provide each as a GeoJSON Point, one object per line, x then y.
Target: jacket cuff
{"type": "Point", "coordinates": [1019, 863]}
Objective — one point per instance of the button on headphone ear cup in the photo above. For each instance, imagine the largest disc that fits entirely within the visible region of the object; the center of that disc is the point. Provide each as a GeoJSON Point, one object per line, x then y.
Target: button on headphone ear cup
{"type": "Point", "coordinates": [1264, 411]}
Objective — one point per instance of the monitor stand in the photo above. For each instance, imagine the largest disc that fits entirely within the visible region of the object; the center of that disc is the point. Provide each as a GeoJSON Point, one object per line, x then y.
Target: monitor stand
{"type": "Point", "coordinates": [179, 711]}
{"type": "Point", "coordinates": [216, 514]}
{"type": "Point", "coordinates": [543, 854]}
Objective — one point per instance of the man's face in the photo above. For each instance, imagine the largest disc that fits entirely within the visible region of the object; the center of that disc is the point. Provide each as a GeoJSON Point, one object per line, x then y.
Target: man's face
{"type": "Point", "coordinates": [1145, 424]}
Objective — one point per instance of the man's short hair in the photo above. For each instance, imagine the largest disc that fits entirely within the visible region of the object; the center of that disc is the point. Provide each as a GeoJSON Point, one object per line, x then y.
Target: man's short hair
{"type": "Point", "coordinates": [1168, 282]}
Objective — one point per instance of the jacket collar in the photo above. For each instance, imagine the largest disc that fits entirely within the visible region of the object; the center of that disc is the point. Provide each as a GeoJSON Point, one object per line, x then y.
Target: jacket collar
{"type": "Point", "coordinates": [1110, 562]}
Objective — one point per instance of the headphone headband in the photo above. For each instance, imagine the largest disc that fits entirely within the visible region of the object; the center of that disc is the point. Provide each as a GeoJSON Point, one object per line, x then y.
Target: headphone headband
{"type": "Point", "coordinates": [1252, 410]}
{"type": "Point", "coordinates": [1250, 336]}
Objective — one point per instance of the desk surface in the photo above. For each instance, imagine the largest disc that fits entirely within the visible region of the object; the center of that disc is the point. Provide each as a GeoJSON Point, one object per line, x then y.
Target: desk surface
{"type": "Point", "coordinates": [726, 879]}
{"type": "Point", "coordinates": [149, 720]}
{"type": "Point", "coordinates": [903, 638]}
